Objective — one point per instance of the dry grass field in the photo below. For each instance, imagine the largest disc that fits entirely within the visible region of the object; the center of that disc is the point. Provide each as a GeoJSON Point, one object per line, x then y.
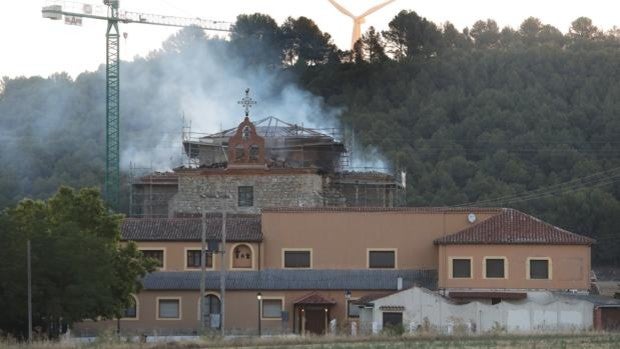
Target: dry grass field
{"type": "Point", "coordinates": [580, 340]}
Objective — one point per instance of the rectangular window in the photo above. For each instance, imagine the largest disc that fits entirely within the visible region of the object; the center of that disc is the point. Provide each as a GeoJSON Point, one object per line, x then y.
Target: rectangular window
{"type": "Point", "coordinates": [392, 319]}
{"type": "Point", "coordinates": [272, 308]}
{"type": "Point", "coordinates": [352, 309]}
{"type": "Point", "coordinates": [494, 268]}
{"type": "Point", "coordinates": [193, 259]}
{"type": "Point", "coordinates": [157, 255]}
{"type": "Point", "coordinates": [461, 268]}
{"type": "Point", "coordinates": [382, 259]}
{"type": "Point", "coordinates": [297, 259]}
{"type": "Point", "coordinates": [245, 196]}
{"type": "Point", "coordinates": [169, 309]}
{"type": "Point", "coordinates": [539, 269]}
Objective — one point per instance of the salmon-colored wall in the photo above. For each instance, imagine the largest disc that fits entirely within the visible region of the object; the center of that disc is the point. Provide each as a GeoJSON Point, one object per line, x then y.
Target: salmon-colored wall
{"type": "Point", "coordinates": [570, 266]}
{"type": "Point", "coordinates": [175, 257]}
{"type": "Point", "coordinates": [340, 240]}
{"type": "Point", "coordinates": [241, 313]}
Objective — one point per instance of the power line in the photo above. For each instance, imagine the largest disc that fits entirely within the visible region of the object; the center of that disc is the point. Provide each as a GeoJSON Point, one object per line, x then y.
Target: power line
{"type": "Point", "coordinates": [590, 181]}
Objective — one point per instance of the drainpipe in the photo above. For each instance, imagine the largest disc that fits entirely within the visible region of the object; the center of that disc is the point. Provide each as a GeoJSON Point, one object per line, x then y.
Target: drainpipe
{"type": "Point", "coordinates": [399, 283]}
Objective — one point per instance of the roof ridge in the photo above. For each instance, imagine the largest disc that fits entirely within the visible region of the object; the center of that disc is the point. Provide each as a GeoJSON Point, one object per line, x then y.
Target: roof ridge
{"type": "Point", "coordinates": [513, 226]}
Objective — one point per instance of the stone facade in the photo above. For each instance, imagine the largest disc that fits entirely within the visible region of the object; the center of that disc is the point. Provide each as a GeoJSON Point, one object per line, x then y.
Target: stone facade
{"type": "Point", "coordinates": [220, 192]}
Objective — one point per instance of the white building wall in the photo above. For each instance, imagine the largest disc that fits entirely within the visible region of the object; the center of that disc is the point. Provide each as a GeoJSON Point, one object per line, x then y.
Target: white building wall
{"type": "Point", "coordinates": [428, 310]}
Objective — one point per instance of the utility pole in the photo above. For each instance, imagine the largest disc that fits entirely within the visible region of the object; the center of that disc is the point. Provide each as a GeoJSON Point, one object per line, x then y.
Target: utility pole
{"type": "Point", "coordinates": [223, 273]}
{"type": "Point", "coordinates": [29, 292]}
{"type": "Point", "coordinates": [203, 271]}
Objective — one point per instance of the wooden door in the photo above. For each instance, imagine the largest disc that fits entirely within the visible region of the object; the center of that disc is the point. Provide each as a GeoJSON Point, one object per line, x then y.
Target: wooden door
{"type": "Point", "coordinates": [315, 321]}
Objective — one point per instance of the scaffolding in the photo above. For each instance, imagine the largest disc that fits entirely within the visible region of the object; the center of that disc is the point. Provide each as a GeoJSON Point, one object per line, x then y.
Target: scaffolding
{"type": "Point", "coordinates": [289, 145]}
{"type": "Point", "coordinates": [150, 191]}
{"type": "Point", "coordinates": [328, 151]}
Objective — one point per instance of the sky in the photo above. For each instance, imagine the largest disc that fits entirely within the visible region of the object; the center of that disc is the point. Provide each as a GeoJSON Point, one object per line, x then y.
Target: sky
{"type": "Point", "coordinates": [32, 45]}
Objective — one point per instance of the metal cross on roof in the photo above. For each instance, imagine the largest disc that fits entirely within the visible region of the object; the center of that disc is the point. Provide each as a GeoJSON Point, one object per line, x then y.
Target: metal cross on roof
{"type": "Point", "coordinates": [247, 102]}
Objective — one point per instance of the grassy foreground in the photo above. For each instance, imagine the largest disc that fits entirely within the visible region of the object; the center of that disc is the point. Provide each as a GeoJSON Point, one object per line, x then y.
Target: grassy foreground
{"type": "Point", "coordinates": [581, 340]}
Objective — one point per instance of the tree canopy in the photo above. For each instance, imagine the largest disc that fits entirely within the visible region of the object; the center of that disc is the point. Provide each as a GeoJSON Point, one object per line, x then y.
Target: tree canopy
{"type": "Point", "coordinates": [79, 268]}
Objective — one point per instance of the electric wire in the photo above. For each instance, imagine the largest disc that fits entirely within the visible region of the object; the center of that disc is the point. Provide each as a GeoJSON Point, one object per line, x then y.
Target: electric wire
{"type": "Point", "coordinates": [591, 181]}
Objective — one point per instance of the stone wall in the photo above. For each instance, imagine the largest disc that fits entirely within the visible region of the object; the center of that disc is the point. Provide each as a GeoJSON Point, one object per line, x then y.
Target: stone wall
{"type": "Point", "coordinates": [220, 192]}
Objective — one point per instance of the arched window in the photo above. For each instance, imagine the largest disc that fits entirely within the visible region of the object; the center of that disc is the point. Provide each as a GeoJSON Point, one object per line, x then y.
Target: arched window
{"type": "Point", "coordinates": [131, 312]}
{"type": "Point", "coordinates": [242, 256]}
{"type": "Point", "coordinates": [245, 135]}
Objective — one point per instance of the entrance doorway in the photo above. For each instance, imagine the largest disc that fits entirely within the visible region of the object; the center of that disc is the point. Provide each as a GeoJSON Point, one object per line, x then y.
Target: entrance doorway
{"type": "Point", "coordinates": [312, 313]}
{"type": "Point", "coordinates": [213, 308]}
{"type": "Point", "coordinates": [315, 320]}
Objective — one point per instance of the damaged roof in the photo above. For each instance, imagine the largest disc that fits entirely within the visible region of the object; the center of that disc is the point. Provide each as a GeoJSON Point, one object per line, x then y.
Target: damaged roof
{"type": "Point", "coordinates": [514, 227]}
{"type": "Point", "coordinates": [246, 227]}
{"type": "Point", "coordinates": [283, 279]}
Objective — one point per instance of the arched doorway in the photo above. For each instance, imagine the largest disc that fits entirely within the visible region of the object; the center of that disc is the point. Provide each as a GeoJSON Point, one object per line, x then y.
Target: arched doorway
{"type": "Point", "coordinates": [213, 309]}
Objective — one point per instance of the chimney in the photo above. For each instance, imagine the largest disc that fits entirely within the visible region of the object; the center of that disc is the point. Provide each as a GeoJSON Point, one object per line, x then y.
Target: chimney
{"type": "Point", "coordinates": [399, 283]}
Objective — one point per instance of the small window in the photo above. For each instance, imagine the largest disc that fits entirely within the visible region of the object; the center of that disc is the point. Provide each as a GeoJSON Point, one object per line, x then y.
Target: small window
{"type": "Point", "coordinates": [245, 133]}
{"type": "Point", "coordinates": [382, 259]}
{"type": "Point", "coordinates": [297, 259]}
{"type": "Point", "coordinates": [239, 153]}
{"type": "Point", "coordinates": [193, 259]}
{"type": "Point", "coordinates": [461, 268]}
{"type": "Point", "coordinates": [246, 196]}
{"type": "Point", "coordinates": [495, 268]}
{"type": "Point", "coordinates": [539, 269]}
{"type": "Point", "coordinates": [131, 312]}
{"type": "Point", "coordinates": [272, 308]}
{"type": "Point", "coordinates": [157, 255]}
{"type": "Point", "coordinates": [254, 151]}
{"type": "Point", "coordinates": [353, 310]}
{"type": "Point", "coordinates": [169, 309]}
{"type": "Point", "coordinates": [392, 319]}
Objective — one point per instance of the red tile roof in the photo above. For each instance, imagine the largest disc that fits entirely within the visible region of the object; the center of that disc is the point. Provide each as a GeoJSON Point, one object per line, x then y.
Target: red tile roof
{"type": "Point", "coordinates": [384, 209]}
{"type": "Point", "coordinates": [369, 298]}
{"type": "Point", "coordinates": [239, 227]}
{"type": "Point", "coordinates": [314, 298]}
{"type": "Point", "coordinates": [514, 227]}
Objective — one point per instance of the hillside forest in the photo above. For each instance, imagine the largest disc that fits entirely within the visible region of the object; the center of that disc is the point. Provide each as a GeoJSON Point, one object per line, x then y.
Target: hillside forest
{"type": "Point", "coordinates": [525, 117]}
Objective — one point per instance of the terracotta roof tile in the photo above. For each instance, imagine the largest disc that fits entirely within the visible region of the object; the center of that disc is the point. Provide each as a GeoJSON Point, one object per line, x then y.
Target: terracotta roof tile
{"type": "Point", "coordinates": [369, 298]}
{"type": "Point", "coordinates": [514, 227]}
{"type": "Point", "coordinates": [238, 228]}
{"type": "Point", "coordinates": [314, 298]}
{"type": "Point", "coordinates": [385, 209]}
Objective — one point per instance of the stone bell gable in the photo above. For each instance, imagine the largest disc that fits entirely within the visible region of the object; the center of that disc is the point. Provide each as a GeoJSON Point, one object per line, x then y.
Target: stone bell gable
{"type": "Point", "coordinates": [246, 148]}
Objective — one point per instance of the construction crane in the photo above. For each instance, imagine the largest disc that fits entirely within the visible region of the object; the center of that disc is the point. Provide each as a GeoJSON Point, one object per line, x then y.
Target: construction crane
{"type": "Point", "coordinates": [73, 13]}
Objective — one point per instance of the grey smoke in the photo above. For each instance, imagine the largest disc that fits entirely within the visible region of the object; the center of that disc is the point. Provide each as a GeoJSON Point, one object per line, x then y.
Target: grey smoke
{"type": "Point", "coordinates": [201, 83]}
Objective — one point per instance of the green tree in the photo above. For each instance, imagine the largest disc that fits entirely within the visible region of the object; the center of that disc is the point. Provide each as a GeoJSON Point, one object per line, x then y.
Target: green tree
{"type": "Point", "coordinates": [372, 44]}
{"type": "Point", "coordinates": [529, 30]}
{"type": "Point", "coordinates": [305, 43]}
{"type": "Point", "coordinates": [410, 35]}
{"type": "Point", "coordinates": [258, 39]}
{"type": "Point", "coordinates": [582, 28]}
{"type": "Point", "coordinates": [485, 34]}
{"type": "Point", "coordinates": [80, 270]}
